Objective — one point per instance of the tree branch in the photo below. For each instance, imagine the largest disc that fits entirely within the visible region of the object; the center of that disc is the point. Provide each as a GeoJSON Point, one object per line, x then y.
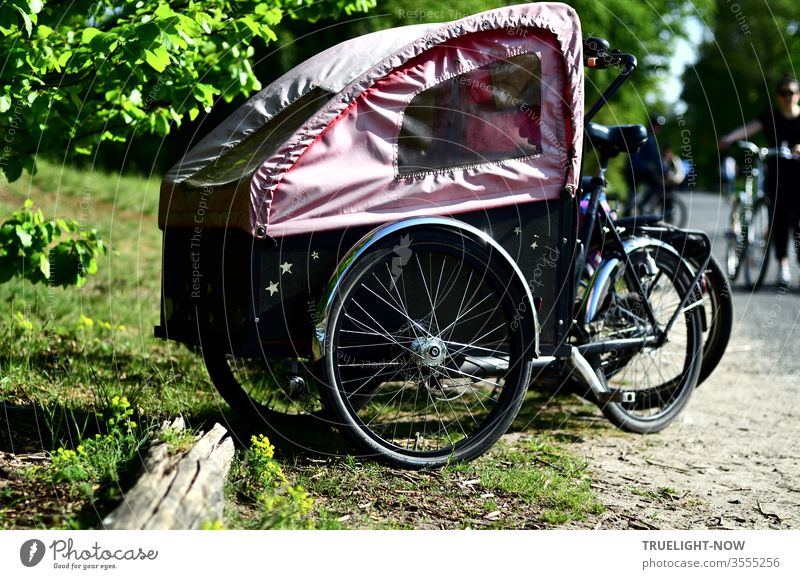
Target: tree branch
{"type": "Point", "coordinates": [62, 82]}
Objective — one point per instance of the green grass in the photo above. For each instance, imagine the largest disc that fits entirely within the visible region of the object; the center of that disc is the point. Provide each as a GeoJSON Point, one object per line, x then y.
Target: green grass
{"type": "Point", "coordinates": [66, 353]}
{"type": "Point", "coordinates": [81, 481]}
{"type": "Point", "coordinates": [80, 347]}
{"type": "Point", "coordinates": [665, 494]}
{"type": "Point", "coordinates": [544, 476]}
{"type": "Point", "coordinates": [178, 441]}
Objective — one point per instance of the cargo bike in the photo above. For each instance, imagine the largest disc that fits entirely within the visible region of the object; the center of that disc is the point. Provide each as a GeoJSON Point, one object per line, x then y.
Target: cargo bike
{"type": "Point", "coordinates": [387, 239]}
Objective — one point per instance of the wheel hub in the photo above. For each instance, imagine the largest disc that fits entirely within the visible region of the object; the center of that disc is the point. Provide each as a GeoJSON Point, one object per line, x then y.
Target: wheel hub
{"type": "Point", "coordinates": [428, 351]}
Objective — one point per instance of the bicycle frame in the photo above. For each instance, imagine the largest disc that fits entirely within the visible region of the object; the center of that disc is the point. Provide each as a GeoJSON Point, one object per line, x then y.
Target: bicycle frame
{"type": "Point", "coordinates": [597, 216]}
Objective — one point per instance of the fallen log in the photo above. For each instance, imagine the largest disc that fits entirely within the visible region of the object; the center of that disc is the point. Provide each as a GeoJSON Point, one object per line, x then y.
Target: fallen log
{"type": "Point", "coordinates": [178, 492]}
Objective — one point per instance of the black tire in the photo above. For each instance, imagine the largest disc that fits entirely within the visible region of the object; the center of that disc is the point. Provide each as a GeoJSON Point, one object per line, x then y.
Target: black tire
{"type": "Point", "coordinates": [258, 389]}
{"type": "Point", "coordinates": [734, 245]}
{"type": "Point", "coordinates": [678, 215]}
{"type": "Point", "coordinates": [661, 379]}
{"type": "Point", "coordinates": [755, 262]}
{"type": "Point", "coordinates": [417, 308]}
{"type": "Point", "coordinates": [719, 317]}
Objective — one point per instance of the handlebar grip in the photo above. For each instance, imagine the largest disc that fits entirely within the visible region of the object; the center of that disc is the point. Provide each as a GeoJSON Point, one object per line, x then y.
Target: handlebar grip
{"type": "Point", "coordinates": [592, 46]}
{"type": "Point", "coordinates": [607, 59]}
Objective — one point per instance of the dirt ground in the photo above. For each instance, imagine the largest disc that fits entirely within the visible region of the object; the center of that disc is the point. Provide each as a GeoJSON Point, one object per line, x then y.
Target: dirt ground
{"type": "Point", "coordinates": [731, 460]}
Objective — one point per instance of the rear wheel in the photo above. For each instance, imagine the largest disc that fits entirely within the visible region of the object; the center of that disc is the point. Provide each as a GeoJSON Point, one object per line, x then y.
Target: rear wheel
{"type": "Point", "coordinates": [651, 385]}
{"type": "Point", "coordinates": [427, 356]}
{"type": "Point", "coordinates": [678, 214]}
{"type": "Point", "coordinates": [718, 311]}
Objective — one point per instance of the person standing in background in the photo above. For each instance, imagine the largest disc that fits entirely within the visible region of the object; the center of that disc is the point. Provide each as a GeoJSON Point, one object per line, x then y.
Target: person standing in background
{"type": "Point", "coordinates": [781, 126]}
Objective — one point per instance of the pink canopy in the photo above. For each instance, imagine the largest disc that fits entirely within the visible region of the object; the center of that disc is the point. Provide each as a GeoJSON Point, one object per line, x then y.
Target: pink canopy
{"type": "Point", "coordinates": [478, 113]}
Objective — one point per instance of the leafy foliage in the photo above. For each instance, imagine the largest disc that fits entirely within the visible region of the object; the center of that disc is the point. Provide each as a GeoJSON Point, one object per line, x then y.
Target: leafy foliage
{"type": "Point", "coordinates": [27, 250]}
{"type": "Point", "coordinates": [102, 70]}
{"type": "Point", "coordinates": [260, 479]}
{"type": "Point", "coordinates": [750, 45]}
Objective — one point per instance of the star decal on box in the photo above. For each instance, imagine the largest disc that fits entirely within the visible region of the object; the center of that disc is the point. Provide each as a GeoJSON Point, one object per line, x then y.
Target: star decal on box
{"type": "Point", "coordinates": [272, 288]}
{"type": "Point", "coordinates": [535, 243]}
{"type": "Point", "coordinates": [314, 255]}
{"type": "Point", "coordinates": [517, 230]}
{"type": "Point", "coordinates": [286, 267]}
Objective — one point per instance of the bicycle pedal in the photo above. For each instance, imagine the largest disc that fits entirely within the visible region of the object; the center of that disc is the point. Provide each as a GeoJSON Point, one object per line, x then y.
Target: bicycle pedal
{"type": "Point", "coordinates": [617, 396]}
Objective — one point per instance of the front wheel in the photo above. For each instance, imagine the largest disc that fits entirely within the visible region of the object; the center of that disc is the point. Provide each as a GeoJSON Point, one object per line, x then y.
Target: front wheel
{"type": "Point", "coordinates": [757, 237]}
{"type": "Point", "coordinates": [735, 246]}
{"type": "Point", "coordinates": [279, 394]}
{"type": "Point", "coordinates": [427, 356]}
{"type": "Point", "coordinates": [654, 383]}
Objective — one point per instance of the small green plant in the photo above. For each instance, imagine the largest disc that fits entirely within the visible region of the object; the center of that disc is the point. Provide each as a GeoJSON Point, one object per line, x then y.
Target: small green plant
{"type": "Point", "coordinates": [100, 459]}
{"type": "Point", "coordinates": [177, 440]}
{"type": "Point", "coordinates": [262, 481]}
{"type": "Point", "coordinates": [29, 248]}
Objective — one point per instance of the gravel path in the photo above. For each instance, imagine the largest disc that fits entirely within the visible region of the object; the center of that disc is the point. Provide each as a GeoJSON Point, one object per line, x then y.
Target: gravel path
{"type": "Point", "coordinates": [731, 460]}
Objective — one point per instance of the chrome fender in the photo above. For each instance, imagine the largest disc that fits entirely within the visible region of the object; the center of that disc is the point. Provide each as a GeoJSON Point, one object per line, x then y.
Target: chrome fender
{"type": "Point", "coordinates": [606, 273]}
{"type": "Point", "coordinates": [526, 315]}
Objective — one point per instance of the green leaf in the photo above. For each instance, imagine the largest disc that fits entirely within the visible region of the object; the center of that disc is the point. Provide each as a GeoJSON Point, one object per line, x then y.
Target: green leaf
{"type": "Point", "coordinates": [25, 238]}
{"type": "Point", "coordinates": [12, 169]}
{"type": "Point", "coordinates": [88, 34]}
{"type": "Point", "coordinates": [43, 31]}
{"type": "Point", "coordinates": [204, 93]}
{"type": "Point", "coordinates": [7, 269]}
{"type": "Point", "coordinates": [63, 59]}
{"type": "Point", "coordinates": [90, 267]}
{"type": "Point", "coordinates": [160, 124]}
{"type": "Point", "coordinates": [104, 42]}
{"type": "Point", "coordinates": [5, 103]}
{"type": "Point", "coordinates": [66, 266]}
{"type": "Point", "coordinates": [44, 265]}
{"type": "Point", "coordinates": [27, 20]}
{"type": "Point", "coordinates": [157, 58]}
{"type": "Point", "coordinates": [164, 11]}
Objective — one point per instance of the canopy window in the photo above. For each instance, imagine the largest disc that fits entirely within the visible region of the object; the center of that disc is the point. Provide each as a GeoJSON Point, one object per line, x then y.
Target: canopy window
{"type": "Point", "coordinates": [490, 114]}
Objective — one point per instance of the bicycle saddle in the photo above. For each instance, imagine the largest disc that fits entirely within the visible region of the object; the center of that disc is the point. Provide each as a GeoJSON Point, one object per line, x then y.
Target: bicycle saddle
{"type": "Point", "coordinates": [615, 139]}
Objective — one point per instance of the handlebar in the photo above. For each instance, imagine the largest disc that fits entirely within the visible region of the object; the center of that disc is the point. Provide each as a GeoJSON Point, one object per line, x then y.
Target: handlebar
{"type": "Point", "coordinates": [598, 55]}
{"type": "Point", "coordinates": [783, 152]}
{"type": "Point", "coordinates": [608, 59]}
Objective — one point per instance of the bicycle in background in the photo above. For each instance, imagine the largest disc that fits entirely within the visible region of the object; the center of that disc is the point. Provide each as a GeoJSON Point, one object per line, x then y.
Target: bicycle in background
{"type": "Point", "coordinates": [748, 238]}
